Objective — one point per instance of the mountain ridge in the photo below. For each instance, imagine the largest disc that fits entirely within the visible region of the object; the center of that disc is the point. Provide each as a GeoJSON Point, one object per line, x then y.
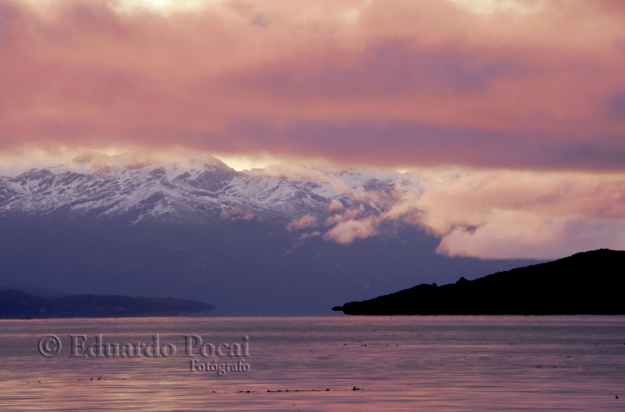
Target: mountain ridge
{"type": "Point", "coordinates": [101, 186]}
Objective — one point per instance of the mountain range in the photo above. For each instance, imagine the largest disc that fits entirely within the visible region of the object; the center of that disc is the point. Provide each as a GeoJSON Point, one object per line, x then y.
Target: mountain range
{"type": "Point", "coordinates": [257, 242]}
{"type": "Point", "coordinates": [99, 186]}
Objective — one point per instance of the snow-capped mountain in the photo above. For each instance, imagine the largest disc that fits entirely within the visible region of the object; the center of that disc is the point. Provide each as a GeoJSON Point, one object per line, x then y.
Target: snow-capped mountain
{"type": "Point", "coordinates": [259, 242]}
{"type": "Point", "coordinates": [100, 186]}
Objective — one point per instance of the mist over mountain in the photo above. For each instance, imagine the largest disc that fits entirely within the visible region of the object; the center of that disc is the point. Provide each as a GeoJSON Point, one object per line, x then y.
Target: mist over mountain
{"type": "Point", "coordinates": [256, 242]}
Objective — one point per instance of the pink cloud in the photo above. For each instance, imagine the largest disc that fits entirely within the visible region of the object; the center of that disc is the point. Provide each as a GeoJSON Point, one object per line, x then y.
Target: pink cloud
{"type": "Point", "coordinates": [307, 221]}
{"type": "Point", "coordinates": [502, 214]}
{"type": "Point", "coordinates": [348, 231]}
{"type": "Point", "coordinates": [392, 82]}
{"type": "Point", "coordinates": [524, 214]}
{"type": "Point", "coordinates": [514, 235]}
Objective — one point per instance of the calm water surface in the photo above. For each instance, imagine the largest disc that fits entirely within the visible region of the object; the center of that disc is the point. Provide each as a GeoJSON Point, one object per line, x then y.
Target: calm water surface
{"type": "Point", "coordinates": [314, 363]}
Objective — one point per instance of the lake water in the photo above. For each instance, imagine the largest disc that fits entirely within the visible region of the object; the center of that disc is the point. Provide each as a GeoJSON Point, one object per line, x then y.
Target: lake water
{"type": "Point", "coordinates": [314, 363]}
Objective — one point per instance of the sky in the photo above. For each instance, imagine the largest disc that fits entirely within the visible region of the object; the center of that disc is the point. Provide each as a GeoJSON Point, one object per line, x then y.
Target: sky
{"type": "Point", "coordinates": [513, 109]}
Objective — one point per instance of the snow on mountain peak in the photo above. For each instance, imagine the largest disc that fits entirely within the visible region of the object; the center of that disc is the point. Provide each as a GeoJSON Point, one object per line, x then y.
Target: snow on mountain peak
{"type": "Point", "coordinates": [204, 187]}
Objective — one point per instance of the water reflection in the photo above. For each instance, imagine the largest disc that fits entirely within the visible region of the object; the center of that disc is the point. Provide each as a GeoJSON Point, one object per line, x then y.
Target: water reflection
{"type": "Point", "coordinates": [397, 363]}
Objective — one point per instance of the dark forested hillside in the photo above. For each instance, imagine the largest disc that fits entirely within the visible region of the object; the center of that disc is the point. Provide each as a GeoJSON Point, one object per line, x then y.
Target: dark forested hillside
{"type": "Point", "coordinates": [585, 283]}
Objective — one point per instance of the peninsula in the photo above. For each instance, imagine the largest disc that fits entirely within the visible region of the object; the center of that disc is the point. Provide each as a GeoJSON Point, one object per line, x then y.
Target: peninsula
{"type": "Point", "coordinates": [588, 283]}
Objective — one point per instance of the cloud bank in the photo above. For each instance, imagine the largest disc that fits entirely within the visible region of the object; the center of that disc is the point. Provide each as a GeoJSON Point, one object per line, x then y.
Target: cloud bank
{"type": "Point", "coordinates": [527, 94]}
{"type": "Point", "coordinates": [500, 214]}
{"type": "Point", "coordinates": [520, 84]}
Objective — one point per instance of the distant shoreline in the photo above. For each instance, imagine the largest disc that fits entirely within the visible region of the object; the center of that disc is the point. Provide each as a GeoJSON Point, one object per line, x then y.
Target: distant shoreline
{"type": "Point", "coordinates": [15, 304]}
